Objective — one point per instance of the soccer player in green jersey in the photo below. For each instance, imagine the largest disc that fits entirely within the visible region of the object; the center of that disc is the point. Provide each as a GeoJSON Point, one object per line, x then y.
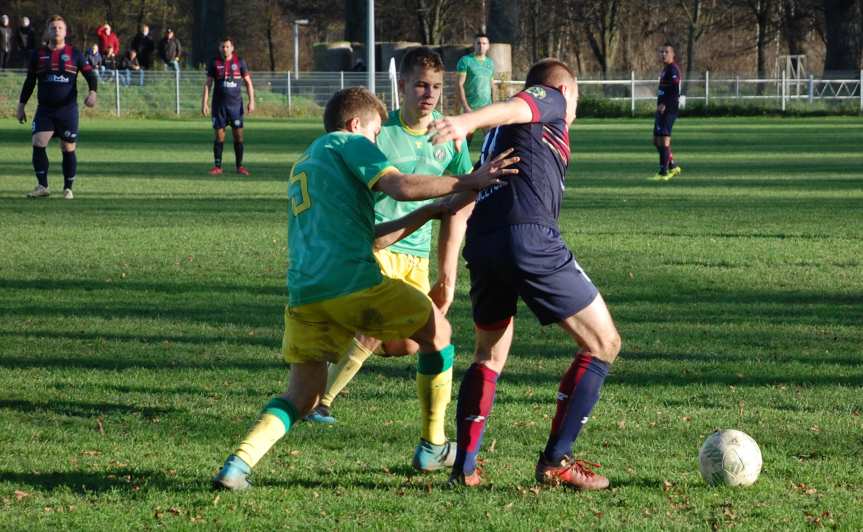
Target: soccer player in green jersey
{"type": "Point", "coordinates": [403, 140]}
{"type": "Point", "coordinates": [335, 286]}
{"type": "Point", "coordinates": [475, 77]}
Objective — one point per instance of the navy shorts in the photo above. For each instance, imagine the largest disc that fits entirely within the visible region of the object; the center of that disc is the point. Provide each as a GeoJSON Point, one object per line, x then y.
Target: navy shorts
{"type": "Point", "coordinates": [662, 124]}
{"type": "Point", "coordinates": [528, 261]}
{"type": "Point", "coordinates": [224, 116]}
{"type": "Point", "coordinates": [63, 121]}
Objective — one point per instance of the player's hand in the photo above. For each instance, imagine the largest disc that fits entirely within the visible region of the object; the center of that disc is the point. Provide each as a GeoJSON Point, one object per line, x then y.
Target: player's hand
{"type": "Point", "coordinates": [660, 108]}
{"type": "Point", "coordinates": [491, 172]}
{"type": "Point", "coordinates": [449, 128]}
{"type": "Point", "coordinates": [251, 107]}
{"type": "Point", "coordinates": [442, 295]}
{"type": "Point", "coordinates": [90, 100]}
{"type": "Point", "coordinates": [205, 109]}
{"type": "Point", "coordinates": [21, 113]}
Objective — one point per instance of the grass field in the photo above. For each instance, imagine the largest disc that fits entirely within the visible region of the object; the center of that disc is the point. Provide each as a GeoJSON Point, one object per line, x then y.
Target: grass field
{"type": "Point", "coordinates": [140, 326]}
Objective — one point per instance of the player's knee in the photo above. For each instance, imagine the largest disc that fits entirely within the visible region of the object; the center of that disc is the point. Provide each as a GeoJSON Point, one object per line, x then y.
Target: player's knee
{"type": "Point", "coordinates": [609, 347]}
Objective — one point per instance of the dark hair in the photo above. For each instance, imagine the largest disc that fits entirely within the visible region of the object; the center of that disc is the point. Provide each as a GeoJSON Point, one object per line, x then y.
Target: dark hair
{"type": "Point", "coordinates": [480, 35]}
{"type": "Point", "coordinates": [667, 44]}
{"type": "Point", "coordinates": [353, 102]}
{"type": "Point", "coordinates": [423, 57]}
{"type": "Point", "coordinates": [550, 71]}
{"type": "Point", "coordinates": [227, 38]}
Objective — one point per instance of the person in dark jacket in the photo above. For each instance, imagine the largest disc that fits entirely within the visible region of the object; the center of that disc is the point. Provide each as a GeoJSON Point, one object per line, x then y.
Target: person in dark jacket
{"type": "Point", "coordinates": [25, 40]}
{"type": "Point", "coordinates": [128, 64]}
{"type": "Point", "coordinates": [5, 41]}
{"type": "Point", "coordinates": [170, 50]}
{"type": "Point", "coordinates": [144, 46]}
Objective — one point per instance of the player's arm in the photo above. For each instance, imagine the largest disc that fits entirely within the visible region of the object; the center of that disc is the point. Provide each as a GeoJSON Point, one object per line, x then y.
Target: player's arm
{"type": "Point", "coordinates": [388, 233]}
{"type": "Point", "coordinates": [451, 234]}
{"type": "Point", "coordinates": [205, 97]}
{"type": "Point", "coordinates": [27, 90]}
{"type": "Point", "coordinates": [92, 83]}
{"type": "Point", "coordinates": [462, 97]}
{"type": "Point", "coordinates": [410, 187]}
{"type": "Point", "coordinates": [513, 111]}
{"type": "Point", "coordinates": [250, 89]}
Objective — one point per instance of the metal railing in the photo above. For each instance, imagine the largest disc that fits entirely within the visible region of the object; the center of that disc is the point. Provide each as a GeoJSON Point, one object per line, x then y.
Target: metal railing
{"type": "Point", "coordinates": [163, 93]}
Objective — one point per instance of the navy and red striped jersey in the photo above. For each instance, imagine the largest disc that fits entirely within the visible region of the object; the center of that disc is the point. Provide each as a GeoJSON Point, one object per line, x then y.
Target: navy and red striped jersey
{"type": "Point", "coordinates": [57, 74]}
{"type": "Point", "coordinates": [228, 75]}
{"type": "Point", "coordinates": [669, 87]}
{"type": "Point", "coordinates": [533, 195]}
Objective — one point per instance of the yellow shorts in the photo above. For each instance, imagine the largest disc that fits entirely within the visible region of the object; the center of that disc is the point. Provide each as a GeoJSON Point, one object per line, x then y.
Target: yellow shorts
{"type": "Point", "coordinates": [321, 331]}
{"type": "Point", "coordinates": [408, 268]}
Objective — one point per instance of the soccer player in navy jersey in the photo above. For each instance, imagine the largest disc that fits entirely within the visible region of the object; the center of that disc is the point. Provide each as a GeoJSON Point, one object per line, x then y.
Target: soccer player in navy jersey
{"type": "Point", "coordinates": [55, 69]}
{"type": "Point", "coordinates": [226, 72]}
{"type": "Point", "coordinates": [514, 249]}
{"type": "Point", "coordinates": [667, 102]}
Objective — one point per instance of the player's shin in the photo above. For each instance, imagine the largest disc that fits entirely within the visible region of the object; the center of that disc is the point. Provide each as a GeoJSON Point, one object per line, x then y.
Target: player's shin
{"type": "Point", "coordinates": [218, 147]}
{"type": "Point", "coordinates": [275, 421]}
{"type": "Point", "coordinates": [577, 395]}
{"type": "Point", "coordinates": [475, 400]}
{"type": "Point", "coordinates": [342, 372]}
{"type": "Point", "coordinates": [70, 168]}
{"type": "Point", "coordinates": [40, 165]}
{"type": "Point", "coordinates": [434, 390]}
{"type": "Point", "coordinates": [238, 153]}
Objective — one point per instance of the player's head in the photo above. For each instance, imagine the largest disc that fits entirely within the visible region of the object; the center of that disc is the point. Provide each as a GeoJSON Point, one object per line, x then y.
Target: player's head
{"type": "Point", "coordinates": [666, 53]}
{"type": "Point", "coordinates": [555, 73]}
{"type": "Point", "coordinates": [481, 43]}
{"type": "Point", "coordinates": [56, 29]}
{"type": "Point", "coordinates": [25, 22]}
{"type": "Point", "coordinates": [226, 47]}
{"type": "Point", "coordinates": [421, 80]}
{"type": "Point", "coordinates": [357, 110]}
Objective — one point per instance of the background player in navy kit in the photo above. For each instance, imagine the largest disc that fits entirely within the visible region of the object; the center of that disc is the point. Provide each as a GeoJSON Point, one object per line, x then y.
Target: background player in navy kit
{"type": "Point", "coordinates": [55, 67]}
{"type": "Point", "coordinates": [667, 101]}
{"type": "Point", "coordinates": [514, 249]}
{"type": "Point", "coordinates": [227, 71]}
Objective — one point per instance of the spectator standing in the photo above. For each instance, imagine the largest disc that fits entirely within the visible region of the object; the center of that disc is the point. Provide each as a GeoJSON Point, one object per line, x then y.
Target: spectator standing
{"type": "Point", "coordinates": [5, 41]}
{"type": "Point", "coordinates": [25, 39]}
{"type": "Point", "coordinates": [170, 50]}
{"type": "Point", "coordinates": [95, 58]}
{"type": "Point", "coordinates": [144, 46]}
{"type": "Point", "coordinates": [108, 38]}
{"type": "Point", "coordinates": [130, 64]}
{"type": "Point", "coordinates": [475, 77]}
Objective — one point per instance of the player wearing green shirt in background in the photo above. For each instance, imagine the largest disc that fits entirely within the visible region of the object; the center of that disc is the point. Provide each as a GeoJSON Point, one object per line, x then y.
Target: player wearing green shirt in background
{"type": "Point", "coordinates": [475, 77]}
{"type": "Point", "coordinates": [335, 286]}
{"type": "Point", "coordinates": [403, 140]}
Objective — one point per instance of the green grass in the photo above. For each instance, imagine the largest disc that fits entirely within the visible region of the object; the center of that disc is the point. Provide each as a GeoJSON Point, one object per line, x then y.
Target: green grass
{"type": "Point", "coordinates": [140, 326]}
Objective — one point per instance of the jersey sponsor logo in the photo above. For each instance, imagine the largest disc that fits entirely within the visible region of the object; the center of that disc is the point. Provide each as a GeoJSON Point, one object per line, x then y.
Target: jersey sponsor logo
{"type": "Point", "coordinates": [488, 191]}
{"type": "Point", "coordinates": [537, 92]}
{"type": "Point", "coordinates": [57, 78]}
{"type": "Point", "coordinates": [229, 84]}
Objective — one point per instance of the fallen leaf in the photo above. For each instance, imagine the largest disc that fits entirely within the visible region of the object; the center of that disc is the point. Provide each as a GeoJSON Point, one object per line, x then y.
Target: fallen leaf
{"type": "Point", "coordinates": [90, 453]}
{"type": "Point", "coordinates": [666, 485]}
{"type": "Point", "coordinates": [491, 447]}
{"type": "Point", "coordinates": [621, 424]}
{"type": "Point", "coordinates": [21, 494]}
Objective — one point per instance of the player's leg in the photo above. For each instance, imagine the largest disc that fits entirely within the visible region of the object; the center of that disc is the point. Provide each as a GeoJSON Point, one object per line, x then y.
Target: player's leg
{"type": "Point", "coordinates": [340, 374]}
{"type": "Point", "coordinates": [218, 145]}
{"type": "Point", "coordinates": [673, 168]}
{"type": "Point", "coordinates": [476, 397]}
{"type": "Point", "coordinates": [68, 128]}
{"type": "Point", "coordinates": [599, 344]}
{"type": "Point", "coordinates": [276, 419]}
{"type": "Point", "coordinates": [43, 130]}
{"type": "Point", "coordinates": [236, 118]}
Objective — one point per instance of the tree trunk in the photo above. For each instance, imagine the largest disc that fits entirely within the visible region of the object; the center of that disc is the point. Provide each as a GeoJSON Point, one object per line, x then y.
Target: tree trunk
{"type": "Point", "coordinates": [842, 26]}
{"type": "Point", "coordinates": [209, 26]}
{"type": "Point", "coordinates": [503, 21]}
{"type": "Point", "coordinates": [356, 13]}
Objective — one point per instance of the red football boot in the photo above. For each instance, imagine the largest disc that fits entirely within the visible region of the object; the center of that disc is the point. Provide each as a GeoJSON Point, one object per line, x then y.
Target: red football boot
{"type": "Point", "coordinates": [216, 170]}
{"type": "Point", "coordinates": [242, 171]}
{"type": "Point", "coordinates": [571, 473]}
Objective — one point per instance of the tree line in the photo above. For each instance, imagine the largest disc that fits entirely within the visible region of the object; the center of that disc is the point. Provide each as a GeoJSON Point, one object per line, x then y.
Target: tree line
{"type": "Point", "coordinates": [598, 37]}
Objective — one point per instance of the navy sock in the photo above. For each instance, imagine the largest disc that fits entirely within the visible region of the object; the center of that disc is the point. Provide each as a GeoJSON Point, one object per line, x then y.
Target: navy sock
{"type": "Point", "coordinates": [664, 153]}
{"type": "Point", "coordinates": [238, 152]}
{"type": "Point", "coordinates": [217, 153]}
{"type": "Point", "coordinates": [40, 165]}
{"type": "Point", "coordinates": [573, 408]}
{"type": "Point", "coordinates": [70, 168]}
{"type": "Point", "coordinates": [475, 400]}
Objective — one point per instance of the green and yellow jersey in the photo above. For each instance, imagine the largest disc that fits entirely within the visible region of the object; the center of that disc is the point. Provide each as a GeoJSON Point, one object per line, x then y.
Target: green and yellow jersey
{"type": "Point", "coordinates": [331, 220]}
{"type": "Point", "coordinates": [411, 152]}
{"type": "Point", "coordinates": [477, 83]}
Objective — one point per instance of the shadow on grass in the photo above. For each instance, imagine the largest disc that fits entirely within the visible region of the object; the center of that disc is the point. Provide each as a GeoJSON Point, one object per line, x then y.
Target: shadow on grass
{"type": "Point", "coordinates": [115, 479]}
{"type": "Point", "coordinates": [83, 409]}
{"type": "Point", "coordinates": [112, 362]}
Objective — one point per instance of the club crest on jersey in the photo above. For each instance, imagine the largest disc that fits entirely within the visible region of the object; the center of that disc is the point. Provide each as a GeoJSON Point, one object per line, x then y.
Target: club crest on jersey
{"type": "Point", "coordinates": [536, 91]}
{"type": "Point", "coordinates": [234, 66]}
{"type": "Point", "coordinates": [439, 155]}
{"type": "Point", "coordinates": [64, 57]}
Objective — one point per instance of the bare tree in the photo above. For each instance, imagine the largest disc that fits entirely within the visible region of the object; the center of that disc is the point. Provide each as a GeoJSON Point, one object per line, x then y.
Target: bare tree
{"type": "Point", "coordinates": [843, 26]}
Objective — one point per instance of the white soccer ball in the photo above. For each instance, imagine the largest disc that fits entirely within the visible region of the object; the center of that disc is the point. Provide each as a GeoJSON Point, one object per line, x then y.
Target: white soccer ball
{"type": "Point", "coordinates": [729, 457]}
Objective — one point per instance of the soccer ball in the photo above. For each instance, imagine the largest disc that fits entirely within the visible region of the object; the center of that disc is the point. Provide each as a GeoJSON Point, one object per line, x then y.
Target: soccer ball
{"type": "Point", "coordinates": [729, 457]}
